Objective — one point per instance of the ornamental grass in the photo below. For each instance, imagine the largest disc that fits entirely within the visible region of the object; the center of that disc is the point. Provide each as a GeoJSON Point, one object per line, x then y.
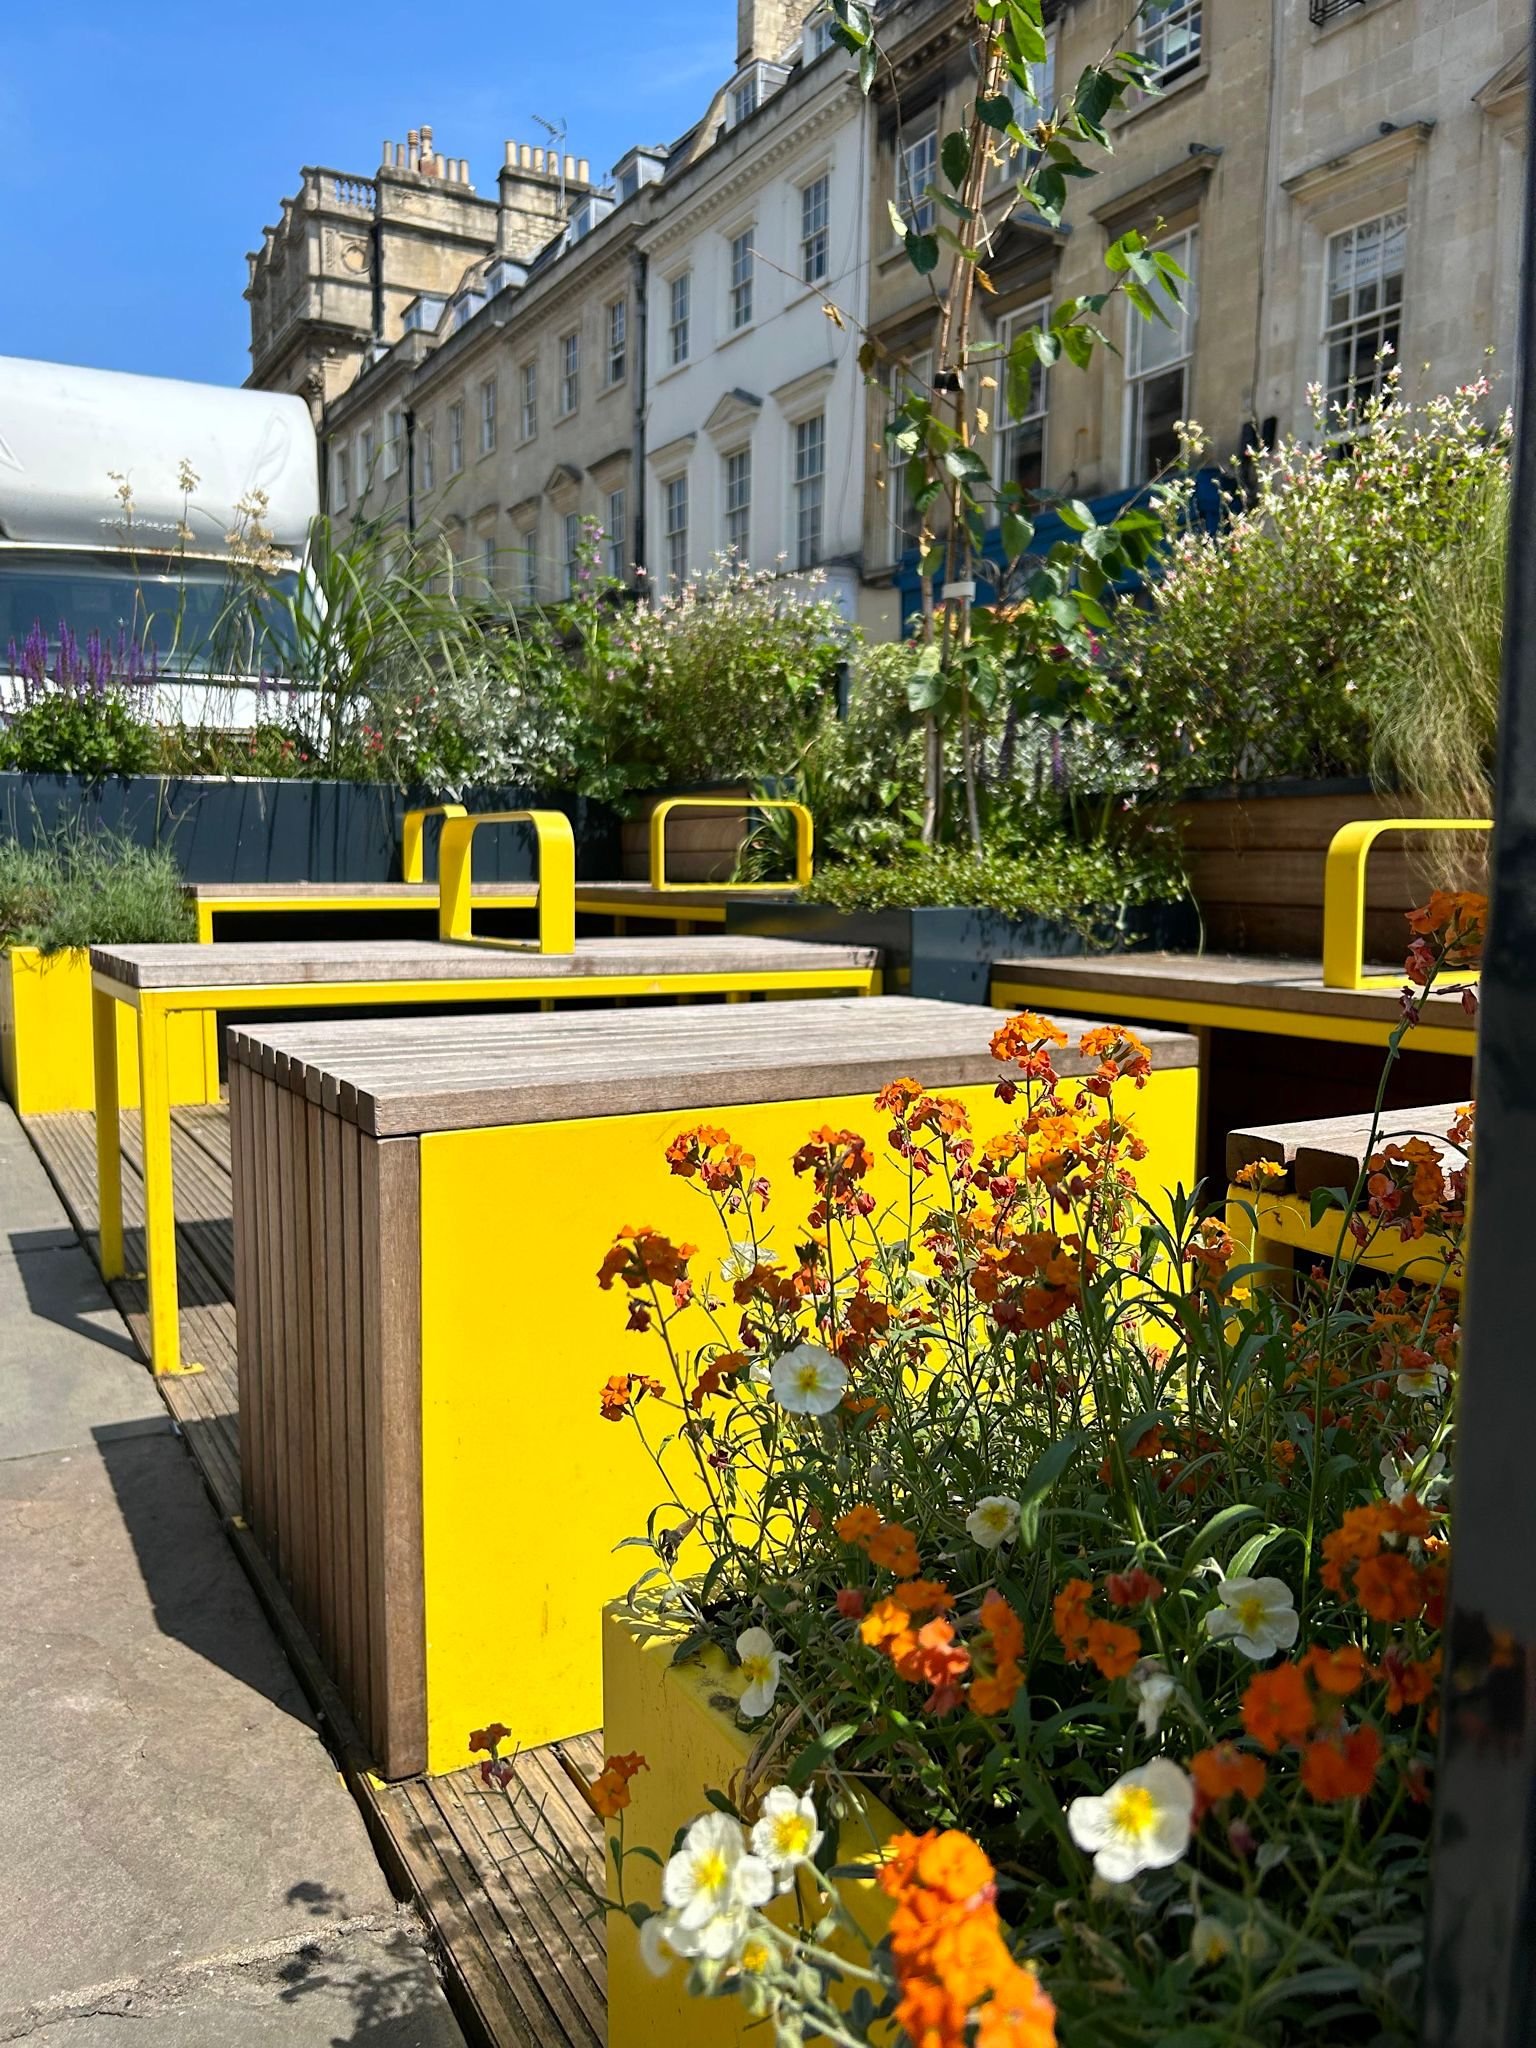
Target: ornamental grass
{"type": "Point", "coordinates": [1116, 1573]}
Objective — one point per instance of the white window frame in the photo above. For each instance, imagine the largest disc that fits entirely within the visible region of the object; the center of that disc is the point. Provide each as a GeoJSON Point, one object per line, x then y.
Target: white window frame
{"type": "Point", "coordinates": [674, 531]}
{"type": "Point", "coordinates": [816, 35]}
{"type": "Point", "coordinates": [528, 417]}
{"type": "Point", "coordinates": [742, 275]}
{"type": "Point", "coordinates": [618, 535]}
{"type": "Point", "coordinates": [736, 498]}
{"type": "Point", "coordinates": [1160, 23]}
{"type": "Point", "coordinates": [810, 488]}
{"type": "Point", "coordinates": [745, 99]}
{"type": "Point", "coordinates": [456, 437]}
{"type": "Point", "coordinates": [488, 416]}
{"type": "Point", "coordinates": [570, 373]}
{"type": "Point", "coordinates": [816, 229]}
{"type": "Point", "coordinates": [488, 563]}
{"type": "Point", "coordinates": [341, 473]}
{"type": "Point", "coordinates": [424, 443]}
{"type": "Point", "coordinates": [570, 541]}
{"type": "Point", "coordinates": [1373, 324]}
{"type": "Point", "coordinates": [616, 362]}
{"type": "Point", "coordinates": [394, 440]}
{"type": "Point", "coordinates": [679, 317]}
{"type": "Point", "coordinates": [1184, 247]}
{"type": "Point", "coordinates": [1011, 324]}
{"type": "Point", "coordinates": [528, 564]}
{"type": "Point", "coordinates": [917, 168]}
{"type": "Point", "coordinates": [362, 466]}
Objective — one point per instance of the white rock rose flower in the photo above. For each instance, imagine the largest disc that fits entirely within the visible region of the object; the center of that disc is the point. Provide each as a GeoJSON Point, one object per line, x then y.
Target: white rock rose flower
{"type": "Point", "coordinates": [1151, 1686]}
{"type": "Point", "coordinates": [786, 1834]}
{"type": "Point", "coordinates": [711, 1886]}
{"type": "Point", "coordinates": [760, 1666]}
{"type": "Point", "coordinates": [1258, 1615]}
{"type": "Point", "coordinates": [1210, 1941]}
{"type": "Point", "coordinates": [1419, 1382]}
{"type": "Point", "coordinates": [809, 1380]}
{"type": "Point", "coordinates": [1420, 1472]}
{"type": "Point", "coordinates": [993, 1521]}
{"type": "Point", "coordinates": [1142, 1822]}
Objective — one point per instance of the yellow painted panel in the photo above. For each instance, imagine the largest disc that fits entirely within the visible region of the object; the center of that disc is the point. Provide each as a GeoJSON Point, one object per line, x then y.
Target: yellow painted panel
{"type": "Point", "coordinates": [680, 1719]}
{"type": "Point", "coordinates": [45, 1039]}
{"type": "Point", "coordinates": [525, 1489]}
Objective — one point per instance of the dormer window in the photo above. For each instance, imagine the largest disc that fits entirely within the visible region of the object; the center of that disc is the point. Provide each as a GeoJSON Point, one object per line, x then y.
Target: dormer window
{"type": "Point", "coordinates": [816, 37]}
{"type": "Point", "coordinates": [588, 214]}
{"type": "Point", "coordinates": [756, 84]}
{"type": "Point", "coordinates": [639, 167]}
{"type": "Point", "coordinates": [466, 308]}
{"type": "Point", "coordinates": [502, 274]}
{"type": "Point", "coordinates": [422, 315]}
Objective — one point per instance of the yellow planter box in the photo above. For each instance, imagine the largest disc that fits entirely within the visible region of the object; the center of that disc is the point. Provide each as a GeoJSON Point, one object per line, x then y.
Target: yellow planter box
{"type": "Point", "coordinates": [45, 1038]}
{"type": "Point", "coordinates": [682, 1720]}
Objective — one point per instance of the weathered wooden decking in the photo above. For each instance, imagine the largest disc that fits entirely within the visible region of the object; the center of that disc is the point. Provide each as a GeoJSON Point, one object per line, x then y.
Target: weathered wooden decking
{"type": "Point", "coordinates": [524, 1969]}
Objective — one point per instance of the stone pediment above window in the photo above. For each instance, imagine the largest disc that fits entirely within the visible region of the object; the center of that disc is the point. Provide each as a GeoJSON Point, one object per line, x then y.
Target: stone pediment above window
{"type": "Point", "coordinates": [672, 454]}
{"type": "Point", "coordinates": [610, 470]}
{"type": "Point", "coordinates": [1386, 154]}
{"type": "Point", "coordinates": [1508, 88]}
{"type": "Point", "coordinates": [1171, 195]}
{"type": "Point", "coordinates": [801, 393]}
{"type": "Point", "coordinates": [563, 481]}
{"type": "Point", "coordinates": [734, 411]}
{"type": "Point", "coordinates": [525, 508]}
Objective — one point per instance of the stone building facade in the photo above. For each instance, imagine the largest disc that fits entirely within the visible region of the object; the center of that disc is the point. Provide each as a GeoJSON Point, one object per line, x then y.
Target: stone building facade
{"type": "Point", "coordinates": [655, 352]}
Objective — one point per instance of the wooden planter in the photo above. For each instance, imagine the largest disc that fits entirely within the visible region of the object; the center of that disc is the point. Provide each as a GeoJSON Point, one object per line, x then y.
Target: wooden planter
{"type": "Point", "coordinates": [682, 1719]}
{"type": "Point", "coordinates": [1256, 864]}
{"type": "Point", "coordinates": [420, 1211]}
{"type": "Point", "coordinates": [701, 847]}
{"type": "Point", "coordinates": [45, 1039]}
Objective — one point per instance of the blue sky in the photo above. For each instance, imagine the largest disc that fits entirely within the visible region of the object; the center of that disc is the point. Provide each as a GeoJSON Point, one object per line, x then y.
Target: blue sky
{"type": "Point", "coordinates": [147, 146]}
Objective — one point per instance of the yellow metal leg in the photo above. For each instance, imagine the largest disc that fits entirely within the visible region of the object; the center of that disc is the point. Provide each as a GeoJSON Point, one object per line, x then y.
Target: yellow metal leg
{"type": "Point", "coordinates": [109, 1157]}
{"type": "Point", "coordinates": [159, 1195]}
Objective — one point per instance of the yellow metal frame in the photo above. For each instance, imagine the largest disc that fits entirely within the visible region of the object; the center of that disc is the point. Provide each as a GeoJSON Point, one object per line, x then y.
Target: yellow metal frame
{"type": "Point", "coordinates": [155, 1008]}
{"type": "Point", "coordinates": [805, 838]}
{"type": "Point", "coordinates": [1344, 894]}
{"type": "Point", "coordinates": [517, 896]}
{"type": "Point", "coordinates": [1262, 1225]}
{"type": "Point", "coordinates": [557, 879]}
{"type": "Point", "coordinates": [413, 838]}
{"type": "Point", "coordinates": [1108, 1002]}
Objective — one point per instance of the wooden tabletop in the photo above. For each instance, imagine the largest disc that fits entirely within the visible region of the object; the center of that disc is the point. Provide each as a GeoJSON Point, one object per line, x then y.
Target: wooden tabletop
{"type": "Point", "coordinates": [1238, 981]}
{"type": "Point", "coordinates": [235, 895]}
{"type": "Point", "coordinates": [304, 962]}
{"type": "Point", "coordinates": [1330, 1152]}
{"type": "Point", "coordinates": [401, 1076]}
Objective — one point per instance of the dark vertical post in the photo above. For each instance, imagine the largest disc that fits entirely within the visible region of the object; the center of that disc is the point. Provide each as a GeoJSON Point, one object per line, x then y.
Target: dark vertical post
{"type": "Point", "coordinates": [1480, 1989]}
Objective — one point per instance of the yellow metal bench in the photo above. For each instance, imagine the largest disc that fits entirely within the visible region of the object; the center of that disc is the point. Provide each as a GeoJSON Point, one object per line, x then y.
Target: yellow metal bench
{"type": "Point", "coordinates": [1344, 895]}
{"type": "Point", "coordinates": [1272, 1221]}
{"type": "Point", "coordinates": [420, 1215]}
{"type": "Point", "coordinates": [159, 983]}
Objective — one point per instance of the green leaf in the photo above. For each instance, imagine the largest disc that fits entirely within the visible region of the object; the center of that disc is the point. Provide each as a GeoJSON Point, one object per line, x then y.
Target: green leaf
{"type": "Point", "coordinates": [955, 157]}
{"type": "Point", "coordinates": [996, 110]}
{"type": "Point", "coordinates": [1324, 1199]}
{"type": "Point", "coordinates": [1097, 91]}
{"type": "Point", "coordinates": [819, 1753]}
{"type": "Point", "coordinates": [1243, 1561]}
{"type": "Point", "coordinates": [1038, 1481]}
{"type": "Point", "coordinates": [1225, 1518]}
{"type": "Point", "coordinates": [923, 253]}
{"type": "Point", "coordinates": [719, 1801]}
{"type": "Point", "coordinates": [898, 218]}
{"type": "Point", "coordinates": [1016, 533]}
{"type": "Point", "coordinates": [868, 59]}
{"type": "Point", "coordinates": [964, 464]}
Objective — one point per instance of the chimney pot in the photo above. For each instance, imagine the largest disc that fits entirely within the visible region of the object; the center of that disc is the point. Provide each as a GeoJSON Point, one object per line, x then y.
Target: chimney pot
{"type": "Point", "coordinates": [538, 156]}
{"type": "Point", "coordinates": [583, 170]}
{"type": "Point", "coordinates": [463, 170]}
{"type": "Point", "coordinates": [525, 156]}
{"type": "Point", "coordinates": [426, 141]}
{"type": "Point", "coordinates": [412, 140]}
{"type": "Point", "coordinates": [511, 153]}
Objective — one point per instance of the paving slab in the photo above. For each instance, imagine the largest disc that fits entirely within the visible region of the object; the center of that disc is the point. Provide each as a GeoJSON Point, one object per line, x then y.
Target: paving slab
{"type": "Point", "coordinates": [175, 1843]}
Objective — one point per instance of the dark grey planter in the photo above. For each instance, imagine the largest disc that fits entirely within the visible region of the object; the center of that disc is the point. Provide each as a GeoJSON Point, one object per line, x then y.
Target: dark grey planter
{"type": "Point", "coordinates": [947, 953]}
{"type": "Point", "coordinates": [234, 830]}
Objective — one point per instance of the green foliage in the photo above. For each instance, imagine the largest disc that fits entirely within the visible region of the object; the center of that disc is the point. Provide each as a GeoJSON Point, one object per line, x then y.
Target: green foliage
{"type": "Point", "coordinates": [1090, 889]}
{"type": "Point", "coordinates": [1435, 692]}
{"type": "Point", "coordinates": [91, 889]}
{"type": "Point", "coordinates": [1271, 648]}
{"type": "Point", "coordinates": [64, 733]}
{"type": "Point", "coordinates": [723, 680]}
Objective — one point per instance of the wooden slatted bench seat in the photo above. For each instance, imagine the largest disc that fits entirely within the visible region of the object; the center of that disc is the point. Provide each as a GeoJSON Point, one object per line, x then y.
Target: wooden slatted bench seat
{"type": "Point", "coordinates": [224, 908]}
{"type": "Point", "coordinates": [1273, 1037]}
{"type": "Point", "coordinates": [420, 1213]}
{"type": "Point", "coordinates": [1273, 1217]}
{"type": "Point", "coordinates": [161, 982]}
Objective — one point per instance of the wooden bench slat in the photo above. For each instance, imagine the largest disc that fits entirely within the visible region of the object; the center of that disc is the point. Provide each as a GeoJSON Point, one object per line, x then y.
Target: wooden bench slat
{"type": "Point", "coordinates": [1329, 1152]}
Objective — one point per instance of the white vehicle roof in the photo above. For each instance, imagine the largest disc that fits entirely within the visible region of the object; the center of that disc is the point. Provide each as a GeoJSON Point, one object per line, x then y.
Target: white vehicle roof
{"type": "Point", "coordinates": [62, 429]}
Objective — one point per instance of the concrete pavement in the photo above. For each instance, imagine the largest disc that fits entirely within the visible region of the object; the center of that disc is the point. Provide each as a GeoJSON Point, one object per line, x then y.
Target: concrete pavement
{"type": "Point", "coordinates": [175, 1845]}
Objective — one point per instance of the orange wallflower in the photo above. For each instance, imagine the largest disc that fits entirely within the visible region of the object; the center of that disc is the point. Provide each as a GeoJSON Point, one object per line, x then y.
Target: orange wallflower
{"type": "Point", "coordinates": [1002, 1625]}
{"type": "Point", "coordinates": [1341, 1765]}
{"type": "Point", "coordinates": [1225, 1770]}
{"type": "Point", "coordinates": [858, 1525]}
{"type": "Point", "coordinates": [851, 1603]}
{"type": "Point", "coordinates": [608, 1794]}
{"type": "Point", "coordinates": [933, 1658]}
{"type": "Point", "coordinates": [886, 1623]}
{"type": "Point", "coordinates": [1277, 1707]}
{"type": "Point", "coordinates": [1340, 1672]}
{"type": "Point", "coordinates": [895, 1549]}
{"type": "Point", "coordinates": [1132, 1588]}
{"type": "Point", "coordinates": [948, 1948]}
{"type": "Point", "coordinates": [1002, 1645]}
{"type": "Point", "coordinates": [624, 1388]}
{"type": "Point", "coordinates": [1069, 1618]}
{"type": "Point", "coordinates": [1389, 1587]}
{"type": "Point", "coordinates": [1409, 1683]}
{"type": "Point", "coordinates": [1113, 1648]}
{"type": "Point", "coordinates": [919, 1596]}
{"type": "Point", "coordinates": [643, 1256]}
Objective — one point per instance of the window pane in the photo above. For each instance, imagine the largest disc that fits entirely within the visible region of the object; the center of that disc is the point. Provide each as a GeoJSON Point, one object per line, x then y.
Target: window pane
{"type": "Point", "coordinates": [1159, 402]}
